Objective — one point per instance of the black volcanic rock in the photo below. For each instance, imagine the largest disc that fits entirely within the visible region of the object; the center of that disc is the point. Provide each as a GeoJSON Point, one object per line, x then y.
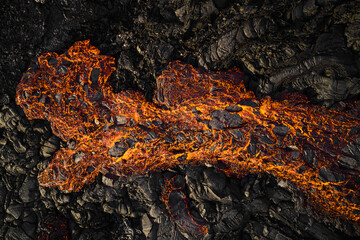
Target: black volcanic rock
{"type": "Point", "coordinates": [118, 149]}
{"type": "Point", "coordinates": [216, 124]}
{"type": "Point", "coordinates": [16, 233]}
{"type": "Point", "coordinates": [28, 191]}
{"type": "Point", "coordinates": [15, 210]}
{"type": "Point", "coordinates": [221, 119]}
{"type": "Point", "coordinates": [348, 162]}
{"type": "Point", "coordinates": [233, 108]}
{"type": "Point", "coordinates": [281, 130]}
{"type": "Point", "coordinates": [236, 133]}
{"type": "Point", "coordinates": [309, 46]}
{"type": "Point", "coordinates": [327, 175]}
{"type": "Point", "coordinates": [50, 146]}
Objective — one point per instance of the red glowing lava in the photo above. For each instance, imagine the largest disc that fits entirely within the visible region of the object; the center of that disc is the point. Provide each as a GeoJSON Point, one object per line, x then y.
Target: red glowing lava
{"type": "Point", "coordinates": [196, 117]}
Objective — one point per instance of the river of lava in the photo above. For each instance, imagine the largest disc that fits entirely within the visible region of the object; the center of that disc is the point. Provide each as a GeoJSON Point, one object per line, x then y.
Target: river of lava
{"type": "Point", "coordinates": [196, 117]}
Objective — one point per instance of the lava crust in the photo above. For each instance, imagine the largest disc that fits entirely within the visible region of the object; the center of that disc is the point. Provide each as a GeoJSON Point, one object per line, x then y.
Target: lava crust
{"type": "Point", "coordinates": [197, 118]}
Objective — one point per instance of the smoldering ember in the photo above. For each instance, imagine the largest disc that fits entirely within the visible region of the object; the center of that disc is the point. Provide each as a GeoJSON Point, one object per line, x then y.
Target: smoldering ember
{"type": "Point", "coordinates": [180, 119]}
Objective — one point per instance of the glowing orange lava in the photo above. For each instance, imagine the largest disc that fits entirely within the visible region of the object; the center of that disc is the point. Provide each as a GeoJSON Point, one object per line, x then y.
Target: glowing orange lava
{"type": "Point", "coordinates": [185, 124]}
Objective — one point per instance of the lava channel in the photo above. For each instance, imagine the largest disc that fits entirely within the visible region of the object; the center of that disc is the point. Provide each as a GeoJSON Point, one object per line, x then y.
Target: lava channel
{"type": "Point", "coordinates": [196, 117]}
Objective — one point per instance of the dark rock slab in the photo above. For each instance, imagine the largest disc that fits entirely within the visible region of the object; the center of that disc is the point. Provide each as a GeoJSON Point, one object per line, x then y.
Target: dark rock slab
{"type": "Point", "coordinates": [62, 199]}
{"type": "Point", "coordinates": [233, 108]}
{"type": "Point", "coordinates": [348, 162]}
{"type": "Point", "coordinates": [260, 205]}
{"type": "Point", "coordinates": [17, 233]}
{"type": "Point", "coordinates": [11, 117]}
{"type": "Point", "coordinates": [216, 124]}
{"type": "Point", "coordinates": [108, 180]}
{"type": "Point", "coordinates": [249, 103]}
{"type": "Point", "coordinates": [222, 118]}
{"type": "Point", "coordinates": [96, 194]}
{"type": "Point", "coordinates": [29, 229]}
{"type": "Point", "coordinates": [167, 229]}
{"type": "Point", "coordinates": [266, 140]}
{"type": "Point", "coordinates": [15, 169]}
{"type": "Point", "coordinates": [309, 155]}
{"type": "Point", "coordinates": [276, 234]}
{"type": "Point", "coordinates": [188, 223]}
{"type": "Point", "coordinates": [15, 210]}
{"type": "Point", "coordinates": [234, 121]}
{"type": "Point", "coordinates": [3, 142]}
{"type": "Point", "coordinates": [2, 122]}
{"type": "Point", "coordinates": [29, 190]}
{"type": "Point", "coordinates": [91, 217]}
{"type": "Point", "coordinates": [352, 150]}
{"type": "Point", "coordinates": [131, 142]}
{"type": "Point", "coordinates": [280, 130]}
{"type": "Point", "coordinates": [327, 175]}
{"type": "Point", "coordinates": [278, 194]}
{"type": "Point", "coordinates": [215, 180]}
{"type": "Point", "coordinates": [229, 220]}
{"type": "Point", "coordinates": [94, 76]}
{"type": "Point", "coordinates": [237, 134]}
{"type": "Point", "coordinates": [94, 234]}
{"type": "Point", "coordinates": [220, 115]}
{"type": "Point", "coordinates": [146, 224]}
{"type": "Point", "coordinates": [19, 146]}
{"type": "Point", "coordinates": [98, 96]}
{"type": "Point", "coordinates": [147, 190]}
{"type": "Point", "coordinates": [50, 146]}
{"type": "Point", "coordinates": [253, 148]}
{"type": "Point", "coordinates": [2, 193]}
{"type": "Point", "coordinates": [151, 136]}
{"type": "Point", "coordinates": [319, 231]}
{"type": "Point", "coordinates": [118, 149]}
{"type": "Point", "coordinates": [155, 211]}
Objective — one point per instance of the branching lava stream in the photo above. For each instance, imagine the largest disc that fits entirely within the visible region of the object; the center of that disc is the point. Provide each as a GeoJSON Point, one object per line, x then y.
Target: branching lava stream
{"type": "Point", "coordinates": [196, 117]}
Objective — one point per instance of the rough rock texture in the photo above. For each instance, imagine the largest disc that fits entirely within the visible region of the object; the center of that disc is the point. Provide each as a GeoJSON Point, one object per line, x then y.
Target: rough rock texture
{"type": "Point", "coordinates": [307, 45]}
{"type": "Point", "coordinates": [256, 206]}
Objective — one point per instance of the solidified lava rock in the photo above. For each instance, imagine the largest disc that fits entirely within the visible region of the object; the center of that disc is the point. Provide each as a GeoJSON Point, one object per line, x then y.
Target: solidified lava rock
{"type": "Point", "coordinates": [187, 109]}
{"type": "Point", "coordinates": [104, 147]}
{"type": "Point", "coordinates": [308, 45]}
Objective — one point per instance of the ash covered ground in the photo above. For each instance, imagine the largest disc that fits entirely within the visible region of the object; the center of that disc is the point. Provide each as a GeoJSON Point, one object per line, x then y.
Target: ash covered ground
{"type": "Point", "coordinates": [308, 46]}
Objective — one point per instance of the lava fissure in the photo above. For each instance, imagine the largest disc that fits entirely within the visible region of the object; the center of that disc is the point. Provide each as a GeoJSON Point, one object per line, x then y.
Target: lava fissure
{"type": "Point", "coordinates": [196, 117]}
{"type": "Point", "coordinates": [176, 203]}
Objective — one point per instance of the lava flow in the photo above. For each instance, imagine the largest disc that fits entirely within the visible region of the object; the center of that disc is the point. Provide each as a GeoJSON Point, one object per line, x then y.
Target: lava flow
{"type": "Point", "coordinates": [196, 117]}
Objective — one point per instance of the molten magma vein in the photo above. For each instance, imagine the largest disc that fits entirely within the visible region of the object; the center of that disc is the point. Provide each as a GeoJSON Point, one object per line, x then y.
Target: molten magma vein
{"type": "Point", "coordinates": [185, 124]}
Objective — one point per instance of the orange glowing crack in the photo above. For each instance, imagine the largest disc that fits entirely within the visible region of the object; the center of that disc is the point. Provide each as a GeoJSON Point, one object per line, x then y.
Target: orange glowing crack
{"type": "Point", "coordinates": [181, 217]}
{"type": "Point", "coordinates": [185, 124]}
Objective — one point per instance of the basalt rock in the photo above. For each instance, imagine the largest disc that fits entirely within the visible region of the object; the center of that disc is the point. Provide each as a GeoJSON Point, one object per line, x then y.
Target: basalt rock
{"type": "Point", "coordinates": [309, 45]}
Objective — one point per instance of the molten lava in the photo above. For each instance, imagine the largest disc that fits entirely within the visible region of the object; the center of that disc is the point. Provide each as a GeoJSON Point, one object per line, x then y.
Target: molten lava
{"type": "Point", "coordinates": [196, 118]}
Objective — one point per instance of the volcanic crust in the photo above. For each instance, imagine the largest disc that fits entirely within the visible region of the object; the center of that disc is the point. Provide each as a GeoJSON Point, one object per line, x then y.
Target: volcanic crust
{"type": "Point", "coordinates": [196, 118]}
{"type": "Point", "coordinates": [310, 46]}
